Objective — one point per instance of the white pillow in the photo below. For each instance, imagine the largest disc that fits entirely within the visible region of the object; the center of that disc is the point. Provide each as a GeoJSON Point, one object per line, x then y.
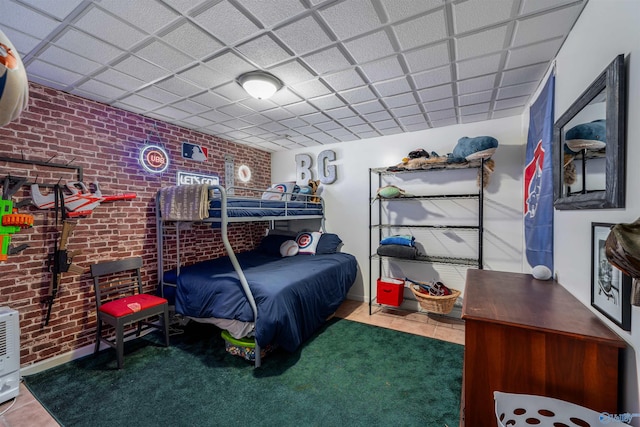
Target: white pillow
{"type": "Point", "coordinates": [275, 192]}
{"type": "Point", "coordinates": [307, 242]}
{"type": "Point", "coordinates": [289, 248]}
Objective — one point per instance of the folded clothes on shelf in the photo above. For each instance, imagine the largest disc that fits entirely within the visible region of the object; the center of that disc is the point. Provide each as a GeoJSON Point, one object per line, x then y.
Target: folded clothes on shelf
{"type": "Point", "coordinates": [399, 239]}
{"type": "Point", "coordinates": [397, 251]}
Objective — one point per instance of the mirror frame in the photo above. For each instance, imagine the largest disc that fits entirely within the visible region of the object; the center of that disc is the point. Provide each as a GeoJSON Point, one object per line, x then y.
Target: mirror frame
{"type": "Point", "coordinates": [613, 80]}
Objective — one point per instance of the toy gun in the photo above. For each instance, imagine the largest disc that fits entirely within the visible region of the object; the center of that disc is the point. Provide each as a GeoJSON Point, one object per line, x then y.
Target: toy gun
{"type": "Point", "coordinates": [11, 223]}
{"type": "Point", "coordinates": [61, 262]}
{"type": "Point", "coordinates": [78, 200]}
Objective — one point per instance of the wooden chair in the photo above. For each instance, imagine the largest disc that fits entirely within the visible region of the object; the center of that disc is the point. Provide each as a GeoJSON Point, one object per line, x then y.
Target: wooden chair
{"type": "Point", "coordinates": [120, 302]}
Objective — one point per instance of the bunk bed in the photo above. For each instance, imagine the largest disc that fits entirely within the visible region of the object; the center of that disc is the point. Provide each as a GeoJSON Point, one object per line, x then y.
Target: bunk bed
{"type": "Point", "coordinates": [279, 300]}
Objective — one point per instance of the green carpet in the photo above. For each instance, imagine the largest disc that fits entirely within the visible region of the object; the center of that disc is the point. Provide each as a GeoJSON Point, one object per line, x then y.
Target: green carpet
{"type": "Point", "coordinates": [348, 374]}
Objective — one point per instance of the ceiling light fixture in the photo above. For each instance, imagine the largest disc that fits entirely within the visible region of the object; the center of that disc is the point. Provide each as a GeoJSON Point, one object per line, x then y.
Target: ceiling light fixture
{"type": "Point", "coordinates": [260, 84]}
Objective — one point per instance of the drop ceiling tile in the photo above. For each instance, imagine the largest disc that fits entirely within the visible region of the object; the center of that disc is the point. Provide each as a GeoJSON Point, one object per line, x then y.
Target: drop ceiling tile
{"type": "Point", "coordinates": [226, 23]}
{"type": "Point", "coordinates": [477, 84]}
{"type": "Point", "coordinates": [409, 110]}
{"type": "Point", "coordinates": [474, 118]}
{"type": "Point", "coordinates": [392, 87]}
{"type": "Point", "coordinates": [545, 26]}
{"type": "Point", "coordinates": [65, 59]}
{"type": "Point", "coordinates": [370, 47]}
{"type": "Point", "coordinates": [140, 69]}
{"type": "Point", "coordinates": [263, 51]}
{"type": "Point", "coordinates": [368, 107]}
{"type": "Point", "coordinates": [277, 114]}
{"type": "Point", "coordinates": [52, 73]}
{"type": "Point", "coordinates": [284, 97]}
{"type": "Point", "coordinates": [436, 92]}
{"type": "Point", "coordinates": [418, 127]}
{"type": "Point", "coordinates": [326, 126]}
{"type": "Point", "coordinates": [157, 53]}
{"type": "Point", "coordinates": [444, 122]}
{"type": "Point", "coordinates": [237, 124]}
{"type": "Point", "coordinates": [118, 79]}
{"type": "Point", "coordinates": [530, 6]}
{"type": "Point", "coordinates": [343, 80]}
{"type": "Point", "coordinates": [327, 60]}
{"type": "Point", "coordinates": [442, 114]}
{"type": "Point", "coordinates": [326, 102]}
{"type": "Point", "coordinates": [324, 138]}
{"type": "Point", "coordinates": [424, 30]}
{"type": "Point", "coordinates": [366, 135]}
{"type": "Point", "coordinates": [377, 116]}
{"type": "Point", "coordinates": [27, 20]}
{"type": "Point", "coordinates": [235, 135]}
{"type": "Point", "coordinates": [315, 118]}
{"type": "Point", "coordinates": [479, 66]}
{"type": "Point", "coordinates": [90, 95]}
{"type": "Point", "coordinates": [412, 120]}
{"type": "Point", "coordinates": [503, 104]}
{"type": "Point", "coordinates": [438, 105]}
{"type": "Point", "coordinates": [101, 89]}
{"type": "Point", "coordinates": [209, 99]}
{"type": "Point", "coordinates": [475, 98]}
{"type": "Point", "coordinates": [204, 76]}
{"type": "Point", "coordinates": [150, 15]}
{"type": "Point", "coordinates": [108, 28]}
{"type": "Point", "coordinates": [306, 129]}
{"type": "Point", "coordinates": [171, 113]}
{"type": "Point", "coordinates": [300, 139]}
{"type": "Point", "coordinates": [310, 89]}
{"type": "Point", "coordinates": [517, 90]}
{"type": "Point", "coordinates": [391, 131]}
{"type": "Point", "coordinates": [232, 91]}
{"type": "Point", "coordinates": [428, 57]}
{"type": "Point", "coordinates": [351, 121]}
{"type": "Point", "coordinates": [24, 43]}
{"type": "Point", "coordinates": [197, 122]}
{"type": "Point", "coordinates": [190, 106]}
{"type": "Point", "coordinates": [272, 12]}
{"type": "Point", "coordinates": [229, 64]}
{"type": "Point", "coordinates": [532, 73]}
{"type": "Point", "coordinates": [139, 102]}
{"type": "Point", "coordinates": [216, 116]}
{"type": "Point", "coordinates": [339, 133]}
{"type": "Point", "coordinates": [256, 119]}
{"type": "Point", "coordinates": [432, 78]}
{"type": "Point", "coordinates": [474, 14]}
{"type": "Point", "coordinates": [294, 122]}
{"type": "Point", "coordinates": [301, 108]}
{"type": "Point", "coordinates": [383, 69]}
{"type": "Point", "coordinates": [220, 128]}
{"type": "Point", "coordinates": [400, 100]}
{"type": "Point", "coordinates": [474, 109]}
{"type": "Point", "coordinates": [157, 94]}
{"type": "Point", "coordinates": [539, 52]}
{"type": "Point", "coordinates": [398, 10]}
{"type": "Point", "coordinates": [314, 36]}
{"type": "Point", "coordinates": [340, 17]}
{"type": "Point", "coordinates": [58, 9]}
{"type": "Point", "coordinates": [235, 110]}
{"type": "Point", "coordinates": [479, 44]}
{"type": "Point", "coordinates": [292, 73]}
{"type": "Point", "coordinates": [191, 40]}
{"type": "Point", "coordinates": [360, 129]}
{"type": "Point", "coordinates": [358, 95]}
{"type": "Point", "coordinates": [87, 46]}
{"type": "Point", "coordinates": [341, 113]}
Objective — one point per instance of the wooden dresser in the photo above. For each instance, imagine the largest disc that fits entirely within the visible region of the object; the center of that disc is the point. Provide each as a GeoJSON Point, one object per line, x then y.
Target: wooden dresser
{"type": "Point", "coordinates": [524, 335]}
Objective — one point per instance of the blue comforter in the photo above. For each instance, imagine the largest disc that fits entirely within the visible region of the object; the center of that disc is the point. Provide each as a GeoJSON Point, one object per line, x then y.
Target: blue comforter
{"type": "Point", "coordinates": [294, 295]}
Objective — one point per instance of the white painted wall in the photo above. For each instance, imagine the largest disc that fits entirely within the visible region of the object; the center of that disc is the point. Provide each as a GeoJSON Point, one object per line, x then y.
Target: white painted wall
{"type": "Point", "coordinates": [605, 29]}
{"type": "Point", "coordinates": [347, 200]}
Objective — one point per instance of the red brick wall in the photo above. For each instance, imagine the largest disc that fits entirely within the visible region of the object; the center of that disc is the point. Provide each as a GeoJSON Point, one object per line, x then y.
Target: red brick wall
{"type": "Point", "coordinates": [105, 142]}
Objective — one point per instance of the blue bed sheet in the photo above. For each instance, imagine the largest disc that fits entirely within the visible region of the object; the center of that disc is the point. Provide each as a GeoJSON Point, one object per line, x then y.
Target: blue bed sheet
{"type": "Point", "coordinates": [246, 207]}
{"type": "Point", "coordinates": [294, 295]}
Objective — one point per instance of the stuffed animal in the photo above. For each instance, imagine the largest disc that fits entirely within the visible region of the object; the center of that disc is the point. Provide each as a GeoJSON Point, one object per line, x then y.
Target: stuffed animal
{"type": "Point", "coordinates": [479, 147]}
{"type": "Point", "coordinates": [315, 190]}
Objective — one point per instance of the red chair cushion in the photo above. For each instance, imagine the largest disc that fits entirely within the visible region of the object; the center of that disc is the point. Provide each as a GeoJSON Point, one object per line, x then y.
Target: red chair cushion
{"type": "Point", "coordinates": [129, 305]}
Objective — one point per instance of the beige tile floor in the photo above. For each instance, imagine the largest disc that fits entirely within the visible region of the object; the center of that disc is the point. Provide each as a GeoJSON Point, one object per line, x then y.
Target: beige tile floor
{"type": "Point", "coordinates": [26, 411]}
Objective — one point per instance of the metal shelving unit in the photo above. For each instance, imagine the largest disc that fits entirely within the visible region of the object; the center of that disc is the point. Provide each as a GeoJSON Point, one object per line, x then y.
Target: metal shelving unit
{"type": "Point", "coordinates": [376, 223]}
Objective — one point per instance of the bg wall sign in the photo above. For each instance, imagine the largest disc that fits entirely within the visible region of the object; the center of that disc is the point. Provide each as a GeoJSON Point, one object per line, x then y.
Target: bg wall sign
{"type": "Point", "coordinates": [154, 159]}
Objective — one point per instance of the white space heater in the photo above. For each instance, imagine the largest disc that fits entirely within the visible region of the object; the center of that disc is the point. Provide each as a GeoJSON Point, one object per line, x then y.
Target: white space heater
{"type": "Point", "coordinates": [9, 353]}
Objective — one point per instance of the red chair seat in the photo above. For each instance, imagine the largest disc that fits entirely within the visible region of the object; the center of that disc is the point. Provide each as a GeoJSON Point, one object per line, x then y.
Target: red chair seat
{"type": "Point", "coordinates": [129, 305]}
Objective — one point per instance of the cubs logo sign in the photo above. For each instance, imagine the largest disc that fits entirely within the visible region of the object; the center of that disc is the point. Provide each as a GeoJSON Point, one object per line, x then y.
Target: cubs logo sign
{"type": "Point", "coordinates": [154, 159]}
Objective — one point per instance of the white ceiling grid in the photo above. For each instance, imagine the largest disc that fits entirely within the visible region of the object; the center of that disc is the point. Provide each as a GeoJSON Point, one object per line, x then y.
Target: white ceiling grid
{"type": "Point", "coordinates": [352, 69]}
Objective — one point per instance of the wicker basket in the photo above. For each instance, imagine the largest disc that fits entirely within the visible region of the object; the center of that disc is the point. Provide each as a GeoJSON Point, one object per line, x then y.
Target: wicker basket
{"type": "Point", "coordinates": [435, 304]}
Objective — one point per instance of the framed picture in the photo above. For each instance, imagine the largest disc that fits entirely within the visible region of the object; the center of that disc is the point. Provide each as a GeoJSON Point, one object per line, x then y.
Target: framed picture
{"type": "Point", "coordinates": [610, 287]}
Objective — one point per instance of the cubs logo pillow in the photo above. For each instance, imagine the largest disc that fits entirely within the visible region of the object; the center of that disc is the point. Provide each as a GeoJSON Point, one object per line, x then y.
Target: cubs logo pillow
{"type": "Point", "coordinates": [278, 191]}
{"type": "Point", "coordinates": [308, 242]}
{"type": "Point", "coordinates": [14, 87]}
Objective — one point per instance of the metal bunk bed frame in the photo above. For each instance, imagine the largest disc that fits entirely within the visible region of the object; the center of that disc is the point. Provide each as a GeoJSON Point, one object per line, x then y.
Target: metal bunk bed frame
{"type": "Point", "coordinates": [224, 221]}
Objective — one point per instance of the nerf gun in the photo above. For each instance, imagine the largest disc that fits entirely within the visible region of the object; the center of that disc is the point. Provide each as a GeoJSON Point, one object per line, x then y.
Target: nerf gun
{"type": "Point", "coordinates": [77, 199]}
{"type": "Point", "coordinates": [11, 223]}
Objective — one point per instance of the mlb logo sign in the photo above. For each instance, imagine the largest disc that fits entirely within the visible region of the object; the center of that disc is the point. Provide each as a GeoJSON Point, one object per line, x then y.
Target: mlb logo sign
{"type": "Point", "coordinates": [194, 152]}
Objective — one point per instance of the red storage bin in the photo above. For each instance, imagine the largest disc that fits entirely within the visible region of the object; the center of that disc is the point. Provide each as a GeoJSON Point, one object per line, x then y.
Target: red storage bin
{"type": "Point", "coordinates": [390, 291]}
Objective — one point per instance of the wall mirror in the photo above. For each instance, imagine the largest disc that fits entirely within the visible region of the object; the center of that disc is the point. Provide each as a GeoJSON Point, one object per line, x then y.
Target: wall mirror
{"type": "Point", "coordinates": [589, 145]}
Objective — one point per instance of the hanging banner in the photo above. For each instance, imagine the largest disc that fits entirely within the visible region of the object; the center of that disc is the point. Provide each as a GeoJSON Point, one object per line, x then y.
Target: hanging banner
{"type": "Point", "coordinates": [538, 181]}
